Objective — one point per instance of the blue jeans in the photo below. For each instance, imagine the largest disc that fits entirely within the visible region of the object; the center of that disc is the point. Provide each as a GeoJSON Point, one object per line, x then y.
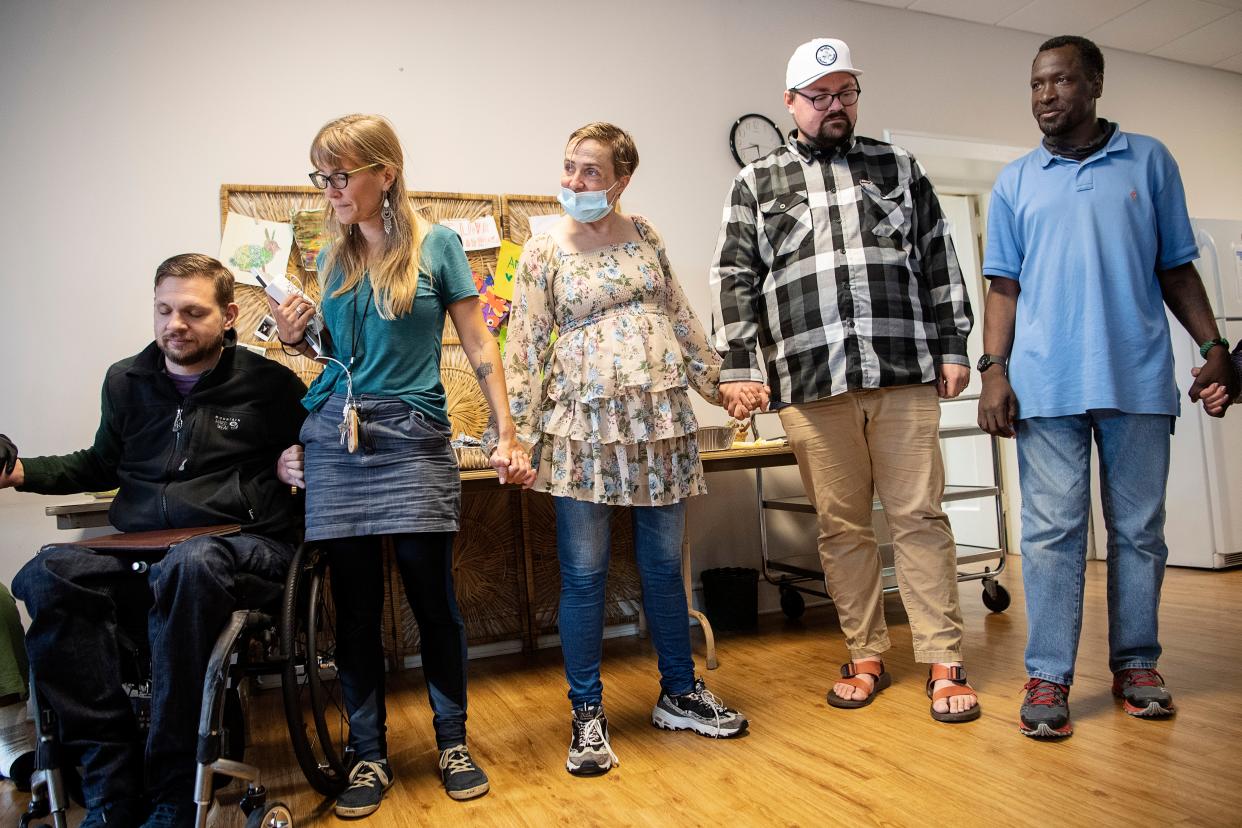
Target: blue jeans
{"type": "Point", "coordinates": [356, 567]}
{"type": "Point", "coordinates": [82, 604]}
{"type": "Point", "coordinates": [582, 545]}
{"type": "Point", "coordinates": [1054, 463]}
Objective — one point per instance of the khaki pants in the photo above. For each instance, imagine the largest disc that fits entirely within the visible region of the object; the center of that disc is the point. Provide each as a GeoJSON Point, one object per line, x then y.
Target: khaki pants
{"type": "Point", "coordinates": [886, 440]}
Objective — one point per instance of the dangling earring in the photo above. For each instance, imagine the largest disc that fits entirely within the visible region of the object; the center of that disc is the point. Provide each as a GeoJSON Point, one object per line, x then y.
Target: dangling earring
{"type": "Point", "coordinates": [387, 214]}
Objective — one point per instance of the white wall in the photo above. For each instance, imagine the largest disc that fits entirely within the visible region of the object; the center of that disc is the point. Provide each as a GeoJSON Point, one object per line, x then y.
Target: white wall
{"type": "Point", "coordinates": [121, 119]}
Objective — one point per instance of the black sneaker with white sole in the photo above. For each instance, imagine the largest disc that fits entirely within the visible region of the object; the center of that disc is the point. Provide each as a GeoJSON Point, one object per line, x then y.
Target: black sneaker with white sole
{"type": "Point", "coordinates": [462, 777]}
{"type": "Point", "coordinates": [699, 711]}
{"type": "Point", "coordinates": [589, 751]}
{"type": "Point", "coordinates": [368, 780]}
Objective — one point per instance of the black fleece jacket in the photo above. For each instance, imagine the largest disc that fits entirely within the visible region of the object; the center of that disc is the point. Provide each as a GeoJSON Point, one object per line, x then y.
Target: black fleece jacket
{"type": "Point", "coordinates": [208, 458]}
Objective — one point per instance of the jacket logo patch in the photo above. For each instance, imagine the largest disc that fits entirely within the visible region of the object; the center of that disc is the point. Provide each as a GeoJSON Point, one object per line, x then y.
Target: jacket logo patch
{"type": "Point", "coordinates": [227, 423]}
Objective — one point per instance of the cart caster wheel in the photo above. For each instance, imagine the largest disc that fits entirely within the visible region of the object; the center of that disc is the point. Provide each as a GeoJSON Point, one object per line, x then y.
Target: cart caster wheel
{"type": "Point", "coordinates": [792, 603]}
{"type": "Point", "coordinates": [995, 596]}
{"type": "Point", "coordinates": [276, 815]}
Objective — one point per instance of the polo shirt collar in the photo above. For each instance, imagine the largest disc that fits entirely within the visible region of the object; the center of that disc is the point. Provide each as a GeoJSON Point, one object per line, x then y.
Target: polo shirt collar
{"type": "Point", "coordinates": [1117, 143]}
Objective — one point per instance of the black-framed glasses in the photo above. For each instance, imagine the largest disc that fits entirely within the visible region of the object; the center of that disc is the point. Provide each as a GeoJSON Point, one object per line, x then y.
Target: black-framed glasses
{"type": "Point", "coordinates": [340, 180]}
{"type": "Point", "coordinates": [822, 101]}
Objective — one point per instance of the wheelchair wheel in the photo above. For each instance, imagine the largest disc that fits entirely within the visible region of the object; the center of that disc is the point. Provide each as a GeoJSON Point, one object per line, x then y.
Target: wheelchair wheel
{"type": "Point", "coordinates": [314, 705]}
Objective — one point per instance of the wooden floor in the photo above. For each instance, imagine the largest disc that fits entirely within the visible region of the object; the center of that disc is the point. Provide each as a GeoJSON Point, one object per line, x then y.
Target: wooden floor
{"type": "Point", "coordinates": [807, 764]}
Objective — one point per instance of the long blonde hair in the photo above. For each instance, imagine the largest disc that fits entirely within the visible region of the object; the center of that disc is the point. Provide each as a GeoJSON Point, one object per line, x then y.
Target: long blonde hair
{"type": "Point", "coordinates": [361, 140]}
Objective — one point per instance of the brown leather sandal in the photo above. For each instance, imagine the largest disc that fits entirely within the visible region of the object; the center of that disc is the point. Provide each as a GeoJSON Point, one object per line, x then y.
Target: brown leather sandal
{"type": "Point", "coordinates": [957, 675]}
{"type": "Point", "coordinates": [879, 682]}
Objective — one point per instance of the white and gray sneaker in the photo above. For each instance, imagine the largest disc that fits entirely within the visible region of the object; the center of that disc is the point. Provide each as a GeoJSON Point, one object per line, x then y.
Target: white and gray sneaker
{"type": "Point", "coordinates": [699, 711]}
{"type": "Point", "coordinates": [589, 751]}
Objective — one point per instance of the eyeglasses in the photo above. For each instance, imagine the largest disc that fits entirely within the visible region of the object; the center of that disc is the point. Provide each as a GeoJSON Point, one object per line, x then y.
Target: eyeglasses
{"type": "Point", "coordinates": [822, 101]}
{"type": "Point", "coordinates": [340, 180]}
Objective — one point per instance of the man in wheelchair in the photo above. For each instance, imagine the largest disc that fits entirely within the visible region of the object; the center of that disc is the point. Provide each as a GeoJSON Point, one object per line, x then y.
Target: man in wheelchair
{"type": "Point", "coordinates": [192, 431]}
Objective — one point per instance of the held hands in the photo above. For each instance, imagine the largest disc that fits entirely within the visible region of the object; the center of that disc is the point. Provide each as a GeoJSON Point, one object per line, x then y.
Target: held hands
{"type": "Point", "coordinates": [292, 317]}
{"type": "Point", "coordinates": [512, 463]}
{"type": "Point", "coordinates": [291, 467]}
{"type": "Point", "coordinates": [741, 398]}
{"type": "Point", "coordinates": [11, 472]}
{"type": "Point", "coordinates": [1216, 383]}
{"type": "Point", "coordinates": [951, 380]}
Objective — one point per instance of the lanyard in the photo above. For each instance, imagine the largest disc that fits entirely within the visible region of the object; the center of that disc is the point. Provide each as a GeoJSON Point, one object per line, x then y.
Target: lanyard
{"type": "Point", "coordinates": [350, 423]}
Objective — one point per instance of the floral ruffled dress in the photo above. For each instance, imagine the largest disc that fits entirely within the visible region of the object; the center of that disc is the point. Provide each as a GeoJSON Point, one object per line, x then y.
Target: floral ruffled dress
{"type": "Point", "coordinates": [605, 406]}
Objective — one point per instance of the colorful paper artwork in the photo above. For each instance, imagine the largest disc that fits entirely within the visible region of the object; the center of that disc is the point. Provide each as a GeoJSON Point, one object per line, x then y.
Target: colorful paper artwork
{"type": "Point", "coordinates": [495, 309]}
{"type": "Point", "coordinates": [250, 244]}
{"type": "Point", "coordinates": [308, 233]}
{"type": "Point", "coordinates": [476, 234]}
{"type": "Point", "coordinates": [506, 268]}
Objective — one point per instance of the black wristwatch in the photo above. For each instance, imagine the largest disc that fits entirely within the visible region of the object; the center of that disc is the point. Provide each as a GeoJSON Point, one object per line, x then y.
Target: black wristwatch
{"type": "Point", "coordinates": [988, 360]}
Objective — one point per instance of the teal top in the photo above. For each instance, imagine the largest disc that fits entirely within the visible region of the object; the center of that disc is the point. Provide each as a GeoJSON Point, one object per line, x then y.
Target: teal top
{"type": "Point", "coordinates": [395, 358]}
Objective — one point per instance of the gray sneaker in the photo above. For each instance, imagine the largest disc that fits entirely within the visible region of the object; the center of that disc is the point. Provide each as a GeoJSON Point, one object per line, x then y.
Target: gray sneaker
{"type": "Point", "coordinates": [589, 751]}
{"type": "Point", "coordinates": [368, 781]}
{"type": "Point", "coordinates": [699, 711]}
{"type": "Point", "coordinates": [1143, 692]}
{"type": "Point", "coordinates": [462, 777]}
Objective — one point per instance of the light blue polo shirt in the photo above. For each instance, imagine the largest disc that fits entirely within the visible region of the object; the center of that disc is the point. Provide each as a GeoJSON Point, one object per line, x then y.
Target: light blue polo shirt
{"type": "Point", "coordinates": [1085, 241]}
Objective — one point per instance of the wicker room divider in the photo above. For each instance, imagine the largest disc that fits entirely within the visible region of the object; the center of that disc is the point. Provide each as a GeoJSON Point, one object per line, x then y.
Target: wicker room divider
{"type": "Point", "coordinates": [504, 557]}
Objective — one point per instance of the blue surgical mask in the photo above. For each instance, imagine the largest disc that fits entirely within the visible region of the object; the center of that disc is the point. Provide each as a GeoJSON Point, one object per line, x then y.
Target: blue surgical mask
{"type": "Point", "coordinates": [586, 206]}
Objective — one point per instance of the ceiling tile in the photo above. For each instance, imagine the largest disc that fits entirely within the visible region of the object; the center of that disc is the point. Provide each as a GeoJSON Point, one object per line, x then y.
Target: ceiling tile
{"type": "Point", "coordinates": [1156, 23]}
{"type": "Point", "coordinates": [1208, 45]}
{"type": "Point", "coordinates": [900, 4]}
{"type": "Point", "coordinates": [1233, 64]}
{"type": "Point", "coordinates": [1053, 17]}
{"type": "Point", "coordinates": [980, 11]}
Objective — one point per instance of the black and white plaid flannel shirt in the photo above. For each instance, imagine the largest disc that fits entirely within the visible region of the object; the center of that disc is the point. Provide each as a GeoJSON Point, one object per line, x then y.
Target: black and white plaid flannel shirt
{"type": "Point", "coordinates": [841, 270]}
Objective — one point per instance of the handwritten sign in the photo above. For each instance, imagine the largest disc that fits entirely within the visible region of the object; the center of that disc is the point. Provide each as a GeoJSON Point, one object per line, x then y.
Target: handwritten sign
{"type": "Point", "coordinates": [476, 234]}
{"type": "Point", "coordinates": [506, 269]}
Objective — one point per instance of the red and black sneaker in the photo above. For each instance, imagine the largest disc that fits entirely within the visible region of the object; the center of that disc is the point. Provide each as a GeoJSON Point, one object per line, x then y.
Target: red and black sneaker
{"type": "Point", "coordinates": [1045, 710]}
{"type": "Point", "coordinates": [1143, 693]}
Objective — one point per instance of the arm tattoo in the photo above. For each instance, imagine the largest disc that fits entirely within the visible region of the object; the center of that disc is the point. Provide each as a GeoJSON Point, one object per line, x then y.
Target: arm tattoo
{"type": "Point", "coordinates": [483, 370]}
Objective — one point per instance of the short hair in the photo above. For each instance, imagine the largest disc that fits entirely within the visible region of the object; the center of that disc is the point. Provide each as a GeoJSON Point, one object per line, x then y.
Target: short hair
{"type": "Point", "coordinates": [1090, 55]}
{"type": "Point", "coordinates": [624, 153]}
{"type": "Point", "coordinates": [196, 265]}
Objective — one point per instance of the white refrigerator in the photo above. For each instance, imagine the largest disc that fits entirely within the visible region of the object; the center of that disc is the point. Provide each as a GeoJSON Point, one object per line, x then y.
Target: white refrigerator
{"type": "Point", "coordinates": [1203, 527]}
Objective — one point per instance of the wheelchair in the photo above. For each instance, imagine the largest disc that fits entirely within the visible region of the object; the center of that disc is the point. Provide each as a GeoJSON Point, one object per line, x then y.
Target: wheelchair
{"type": "Point", "coordinates": [291, 638]}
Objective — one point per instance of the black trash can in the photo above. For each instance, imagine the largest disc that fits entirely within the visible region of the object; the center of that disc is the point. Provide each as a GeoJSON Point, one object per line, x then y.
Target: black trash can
{"type": "Point", "coordinates": [731, 597]}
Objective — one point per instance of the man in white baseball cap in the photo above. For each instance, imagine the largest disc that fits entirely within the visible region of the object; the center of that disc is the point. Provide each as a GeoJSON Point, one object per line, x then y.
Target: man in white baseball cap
{"type": "Point", "coordinates": [816, 58]}
{"type": "Point", "coordinates": [835, 254]}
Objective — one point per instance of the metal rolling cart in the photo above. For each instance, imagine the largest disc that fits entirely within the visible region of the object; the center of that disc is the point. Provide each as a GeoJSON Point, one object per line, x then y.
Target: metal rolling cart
{"type": "Point", "coordinates": [801, 574]}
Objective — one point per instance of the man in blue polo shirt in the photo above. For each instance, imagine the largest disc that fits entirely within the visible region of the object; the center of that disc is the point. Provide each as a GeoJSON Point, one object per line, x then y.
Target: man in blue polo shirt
{"type": "Point", "coordinates": [1088, 240]}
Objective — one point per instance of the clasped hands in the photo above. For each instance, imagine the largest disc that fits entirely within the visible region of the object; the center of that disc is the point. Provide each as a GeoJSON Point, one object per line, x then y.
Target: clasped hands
{"type": "Point", "coordinates": [742, 398]}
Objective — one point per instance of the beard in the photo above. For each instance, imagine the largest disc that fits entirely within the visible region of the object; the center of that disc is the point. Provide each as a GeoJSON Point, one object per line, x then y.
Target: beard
{"type": "Point", "coordinates": [193, 353]}
{"type": "Point", "coordinates": [832, 133]}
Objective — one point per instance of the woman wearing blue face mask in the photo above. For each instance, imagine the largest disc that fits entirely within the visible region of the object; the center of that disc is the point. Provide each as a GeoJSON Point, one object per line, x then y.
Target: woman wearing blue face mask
{"type": "Point", "coordinates": [605, 411]}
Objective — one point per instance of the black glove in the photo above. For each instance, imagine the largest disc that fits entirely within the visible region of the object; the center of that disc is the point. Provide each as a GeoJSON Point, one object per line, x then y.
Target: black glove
{"type": "Point", "coordinates": [8, 455]}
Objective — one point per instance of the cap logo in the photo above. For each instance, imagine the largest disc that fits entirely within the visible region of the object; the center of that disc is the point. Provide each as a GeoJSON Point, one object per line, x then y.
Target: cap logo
{"type": "Point", "coordinates": [826, 55]}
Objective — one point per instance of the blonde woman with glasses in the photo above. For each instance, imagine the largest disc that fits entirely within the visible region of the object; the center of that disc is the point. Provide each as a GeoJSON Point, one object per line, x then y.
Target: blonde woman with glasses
{"type": "Point", "coordinates": [377, 456]}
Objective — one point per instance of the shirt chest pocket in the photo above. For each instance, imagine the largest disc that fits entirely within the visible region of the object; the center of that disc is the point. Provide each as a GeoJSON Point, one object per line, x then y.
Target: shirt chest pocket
{"type": "Point", "coordinates": [787, 224]}
{"type": "Point", "coordinates": [888, 213]}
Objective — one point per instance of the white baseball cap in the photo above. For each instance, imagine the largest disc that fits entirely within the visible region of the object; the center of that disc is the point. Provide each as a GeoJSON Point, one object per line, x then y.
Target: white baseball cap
{"type": "Point", "coordinates": [816, 58]}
